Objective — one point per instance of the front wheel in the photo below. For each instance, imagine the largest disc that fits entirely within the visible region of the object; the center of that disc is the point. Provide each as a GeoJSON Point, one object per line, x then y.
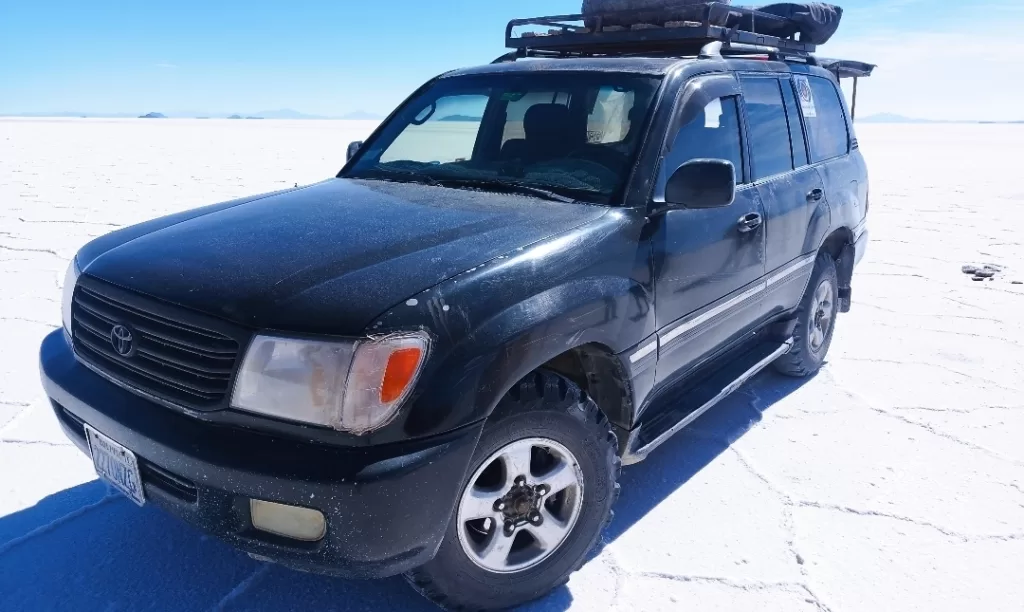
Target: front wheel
{"type": "Point", "coordinates": [539, 493]}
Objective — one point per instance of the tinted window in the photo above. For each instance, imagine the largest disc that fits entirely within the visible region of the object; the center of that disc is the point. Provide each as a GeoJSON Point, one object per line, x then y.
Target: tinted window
{"type": "Point", "coordinates": [796, 128]}
{"type": "Point", "coordinates": [823, 113]}
{"type": "Point", "coordinates": [769, 129]}
{"type": "Point", "coordinates": [612, 115]}
{"type": "Point", "coordinates": [712, 134]}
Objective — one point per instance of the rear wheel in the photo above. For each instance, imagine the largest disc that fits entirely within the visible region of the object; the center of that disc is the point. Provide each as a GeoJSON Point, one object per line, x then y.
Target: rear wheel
{"type": "Point", "coordinates": [815, 321]}
{"type": "Point", "coordinates": [539, 492]}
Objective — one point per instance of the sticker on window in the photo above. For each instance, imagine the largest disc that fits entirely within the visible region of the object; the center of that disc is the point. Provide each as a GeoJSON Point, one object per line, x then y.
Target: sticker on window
{"type": "Point", "coordinates": [803, 92]}
{"type": "Point", "coordinates": [713, 114]}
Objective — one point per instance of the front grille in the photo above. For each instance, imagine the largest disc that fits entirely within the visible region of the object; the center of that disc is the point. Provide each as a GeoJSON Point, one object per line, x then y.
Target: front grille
{"type": "Point", "coordinates": [170, 359]}
{"type": "Point", "coordinates": [170, 483]}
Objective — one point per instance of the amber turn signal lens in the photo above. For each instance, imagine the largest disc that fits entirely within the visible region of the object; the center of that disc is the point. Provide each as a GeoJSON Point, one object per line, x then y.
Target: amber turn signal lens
{"type": "Point", "coordinates": [401, 369]}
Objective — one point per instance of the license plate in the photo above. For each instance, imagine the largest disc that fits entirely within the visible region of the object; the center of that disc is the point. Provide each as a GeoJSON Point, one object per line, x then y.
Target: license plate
{"type": "Point", "coordinates": [116, 465]}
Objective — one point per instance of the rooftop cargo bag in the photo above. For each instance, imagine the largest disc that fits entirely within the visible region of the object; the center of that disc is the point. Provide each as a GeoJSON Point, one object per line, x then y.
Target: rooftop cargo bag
{"type": "Point", "coordinates": [815, 22]}
{"type": "Point", "coordinates": [651, 11]}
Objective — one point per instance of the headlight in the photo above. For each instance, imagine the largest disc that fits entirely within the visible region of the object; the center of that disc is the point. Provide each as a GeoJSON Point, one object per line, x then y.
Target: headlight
{"type": "Point", "coordinates": [70, 278]}
{"type": "Point", "coordinates": [354, 386]}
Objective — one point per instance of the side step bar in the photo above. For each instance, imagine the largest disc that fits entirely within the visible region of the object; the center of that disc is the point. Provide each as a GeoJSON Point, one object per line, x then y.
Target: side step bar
{"type": "Point", "coordinates": [636, 456]}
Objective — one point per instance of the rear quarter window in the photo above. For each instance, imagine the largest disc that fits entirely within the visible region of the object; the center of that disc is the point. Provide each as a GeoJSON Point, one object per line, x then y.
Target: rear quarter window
{"type": "Point", "coordinates": [822, 108]}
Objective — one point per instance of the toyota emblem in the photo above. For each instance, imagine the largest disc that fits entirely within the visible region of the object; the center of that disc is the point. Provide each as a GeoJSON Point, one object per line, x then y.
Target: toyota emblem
{"type": "Point", "coordinates": [122, 341]}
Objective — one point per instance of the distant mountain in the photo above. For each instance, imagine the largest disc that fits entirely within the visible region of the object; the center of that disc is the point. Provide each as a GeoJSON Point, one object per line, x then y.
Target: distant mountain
{"type": "Point", "coordinates": [73, 114]}
{"type": "Point", "coordinates": [894, 118]}
{"type": "Point", "coordinates": [462, 118]}
{"type": "Point", "coordinates": [153, 116]}
{"type": "Point", "coordinates": [361, 116]}
{"type": "Point", "coordinates": [285, 113]}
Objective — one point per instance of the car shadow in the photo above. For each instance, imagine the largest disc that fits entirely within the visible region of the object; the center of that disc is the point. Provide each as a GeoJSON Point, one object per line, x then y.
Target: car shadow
{"type": "Point", "coordinates": [672, 465]}
{"type": "Point", "coordinates": [86, 548]}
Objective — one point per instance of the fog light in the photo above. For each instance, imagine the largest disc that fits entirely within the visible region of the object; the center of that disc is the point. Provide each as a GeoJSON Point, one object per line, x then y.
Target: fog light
{"type": "Point", "coordinates": [287, 521]}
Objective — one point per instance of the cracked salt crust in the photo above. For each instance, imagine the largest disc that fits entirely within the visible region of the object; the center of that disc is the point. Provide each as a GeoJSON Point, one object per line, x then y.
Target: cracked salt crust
{"type": "Point", "coordinates": [894, 480]}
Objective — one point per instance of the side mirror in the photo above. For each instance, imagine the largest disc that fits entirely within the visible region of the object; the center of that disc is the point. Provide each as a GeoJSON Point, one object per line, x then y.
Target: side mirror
{"type": "Point", "coordinates": [702, 183]}
{"type": "Point", "coordinates": [353, 148]}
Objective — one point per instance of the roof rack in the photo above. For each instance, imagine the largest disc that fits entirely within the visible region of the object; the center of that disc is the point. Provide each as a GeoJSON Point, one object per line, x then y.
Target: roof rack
{"type": "Point", "coordinates": [690, 29]}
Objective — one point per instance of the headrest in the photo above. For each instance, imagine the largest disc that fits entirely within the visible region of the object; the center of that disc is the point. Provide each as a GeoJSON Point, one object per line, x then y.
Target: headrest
{"type": "Point", "coordinates": [545, 117]}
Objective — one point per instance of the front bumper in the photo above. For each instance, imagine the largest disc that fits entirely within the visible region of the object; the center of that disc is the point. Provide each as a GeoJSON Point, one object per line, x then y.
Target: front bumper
{"type": "Point", "coordinates": [387, 507]}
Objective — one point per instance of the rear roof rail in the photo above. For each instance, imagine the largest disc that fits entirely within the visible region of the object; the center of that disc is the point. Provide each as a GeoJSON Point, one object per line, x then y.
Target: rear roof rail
{"type": "Point", "coordinates": [690, 29]}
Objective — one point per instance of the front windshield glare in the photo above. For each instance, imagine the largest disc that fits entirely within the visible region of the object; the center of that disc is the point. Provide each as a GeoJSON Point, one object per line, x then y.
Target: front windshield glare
{"type": "Point", "coordinates": [574, 134]}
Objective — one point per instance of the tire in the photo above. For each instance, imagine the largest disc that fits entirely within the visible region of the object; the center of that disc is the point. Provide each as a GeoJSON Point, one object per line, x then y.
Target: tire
{"type": "Point", "coordinates": [544, 408]}
{"type": "Point", "coordinates": [810, 347]}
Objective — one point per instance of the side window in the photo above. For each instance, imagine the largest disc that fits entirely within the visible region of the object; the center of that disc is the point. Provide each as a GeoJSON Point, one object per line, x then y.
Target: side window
{"type": "Point", "coordinates": [443, 133]}
{"type": "Point", "coordinates": [796, 127]}
{"type": "Point", "coordinates": [713, 134]}
{"type": "Point", "coordinates": [825, 118]}
{"type": "Point", "coordinates": [770, 150]}
{"type": "Point", "coordinates": [611, 117]}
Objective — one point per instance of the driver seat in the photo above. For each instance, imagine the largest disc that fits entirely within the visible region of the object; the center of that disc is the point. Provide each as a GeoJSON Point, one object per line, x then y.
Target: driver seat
{"type": "Point", "coordinates": [549, 134]}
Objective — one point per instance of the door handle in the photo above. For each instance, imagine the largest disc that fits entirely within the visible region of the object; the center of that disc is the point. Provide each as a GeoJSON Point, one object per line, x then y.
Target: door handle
{"type": "Point", "coordinates": [749, 222]}
{"type": "Point", "coordinates": [815, 195]}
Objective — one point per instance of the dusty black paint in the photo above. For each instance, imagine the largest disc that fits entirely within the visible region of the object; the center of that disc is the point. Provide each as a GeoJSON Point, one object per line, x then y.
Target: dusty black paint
{"type": "Point", "coordinates": [503, 283]}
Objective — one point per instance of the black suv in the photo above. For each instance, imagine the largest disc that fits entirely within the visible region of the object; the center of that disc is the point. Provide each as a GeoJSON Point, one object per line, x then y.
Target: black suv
{"type": "Point", "coordinates": [436, 362]}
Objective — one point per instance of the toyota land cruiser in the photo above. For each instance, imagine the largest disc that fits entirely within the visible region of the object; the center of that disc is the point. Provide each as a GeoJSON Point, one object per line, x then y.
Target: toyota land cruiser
{"type": "Point", "coordinates": [532, 272]}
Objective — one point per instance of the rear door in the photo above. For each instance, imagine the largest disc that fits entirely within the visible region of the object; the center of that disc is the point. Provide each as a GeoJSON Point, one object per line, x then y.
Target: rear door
{"type": "Point", "coordinates": [791, 190]}
{"type": "Point", "coordinates": [834, 152]}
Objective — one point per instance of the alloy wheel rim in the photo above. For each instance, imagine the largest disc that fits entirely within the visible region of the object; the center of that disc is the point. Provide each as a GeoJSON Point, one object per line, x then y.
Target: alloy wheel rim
{"type": "Point", "coordinates": [520, 505]}
{"type": "Point", "coordinates": [821, 316]}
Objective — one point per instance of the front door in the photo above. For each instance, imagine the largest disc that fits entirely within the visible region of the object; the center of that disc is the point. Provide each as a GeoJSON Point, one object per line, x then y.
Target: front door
{"type": "Point", "coordinates": [708, 263]}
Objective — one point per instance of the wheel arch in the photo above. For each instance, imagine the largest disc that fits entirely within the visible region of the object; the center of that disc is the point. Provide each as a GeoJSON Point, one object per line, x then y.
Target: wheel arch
{"type": "Point", "coordinates": [839, 244]}
{"type": "Point", "coordinates": [596, 370]}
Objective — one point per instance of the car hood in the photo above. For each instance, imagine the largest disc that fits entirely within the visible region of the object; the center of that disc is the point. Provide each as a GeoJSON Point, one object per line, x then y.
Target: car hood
{"type": "Point", "coordinates": [330, 257]}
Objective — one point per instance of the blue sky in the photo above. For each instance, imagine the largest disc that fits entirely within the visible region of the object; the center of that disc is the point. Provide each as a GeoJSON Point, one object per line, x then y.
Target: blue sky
{"type": "Point", "coordinates": [337, 56]}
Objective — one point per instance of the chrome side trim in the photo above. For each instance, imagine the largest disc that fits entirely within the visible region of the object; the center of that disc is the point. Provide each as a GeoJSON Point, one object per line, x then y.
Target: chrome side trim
{"type": "Point", "coordinates": [641, 454]}
{"type": "Point", "coordinates": [644, 351]}
{"type": "Point", "coordinates": [793, 268]}
{"type": "Point", "coordinates": [686, 326]}
{"type": "Point", "coordinates": [759, 287]}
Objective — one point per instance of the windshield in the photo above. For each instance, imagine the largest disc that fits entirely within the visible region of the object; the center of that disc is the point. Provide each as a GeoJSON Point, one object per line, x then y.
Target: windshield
{"type": "Point", "coordinates": [570, 134]}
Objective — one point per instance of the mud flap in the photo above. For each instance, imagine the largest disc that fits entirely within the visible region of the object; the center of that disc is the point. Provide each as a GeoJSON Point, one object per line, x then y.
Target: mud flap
{"type": "Point", "coordinates": [844, 270]}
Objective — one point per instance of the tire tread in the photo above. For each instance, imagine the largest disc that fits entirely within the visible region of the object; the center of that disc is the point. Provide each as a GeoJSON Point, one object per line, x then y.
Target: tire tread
{"type": "Point", "coordinates": [797, 363]}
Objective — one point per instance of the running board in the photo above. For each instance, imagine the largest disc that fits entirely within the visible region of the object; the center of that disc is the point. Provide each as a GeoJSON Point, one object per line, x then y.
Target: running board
{"type": "Point", "coordinates": [755, 361]}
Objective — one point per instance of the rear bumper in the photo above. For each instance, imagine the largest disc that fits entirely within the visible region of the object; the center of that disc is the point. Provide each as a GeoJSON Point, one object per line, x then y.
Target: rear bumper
{"type": "Point", "coordinates": [387, 507]}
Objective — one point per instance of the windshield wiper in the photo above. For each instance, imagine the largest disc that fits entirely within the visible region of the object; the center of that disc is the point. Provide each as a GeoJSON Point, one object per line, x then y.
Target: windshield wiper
{"type": "Point", "coordinates": [411, 176]}
{"type": "Point", "coordinates": [408, 176]}
{"type": "Point", "coordinates": [506, 186]}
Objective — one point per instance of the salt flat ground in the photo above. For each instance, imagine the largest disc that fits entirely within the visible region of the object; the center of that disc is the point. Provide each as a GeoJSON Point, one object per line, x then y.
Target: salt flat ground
{"type": "Point", "coordinates": [893, 480]}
